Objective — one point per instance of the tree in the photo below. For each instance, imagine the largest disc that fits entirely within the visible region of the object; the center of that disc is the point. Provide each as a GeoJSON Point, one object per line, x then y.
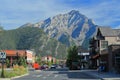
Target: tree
{"type": "Point", "coordinates": [22, 62]}
{"type": "Point", "coordinates": [38, 59]}
{"type": "Point", "coordinates": [72, 55]}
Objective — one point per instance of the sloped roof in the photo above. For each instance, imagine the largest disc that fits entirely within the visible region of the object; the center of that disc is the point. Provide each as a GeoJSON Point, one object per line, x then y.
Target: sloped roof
{"type": "Point", "coordinates": [117, 31]}
{"type": "Point", "coordinates": [107, 31]}
{"type": "Point", "coordinates": [14, 52]}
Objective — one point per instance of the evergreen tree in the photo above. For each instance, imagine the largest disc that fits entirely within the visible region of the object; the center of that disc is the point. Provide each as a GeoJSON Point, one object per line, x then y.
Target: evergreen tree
{"type": "Point", "coordinates": [72, 55]}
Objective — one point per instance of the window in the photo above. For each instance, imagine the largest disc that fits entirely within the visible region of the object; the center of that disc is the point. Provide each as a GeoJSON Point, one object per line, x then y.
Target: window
{"type": "Point", "coordinates": [104, 44]}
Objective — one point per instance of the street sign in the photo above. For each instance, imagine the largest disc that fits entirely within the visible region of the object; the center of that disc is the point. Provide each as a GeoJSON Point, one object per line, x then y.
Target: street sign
{"type": "Point", "coordinates": [2, 55]}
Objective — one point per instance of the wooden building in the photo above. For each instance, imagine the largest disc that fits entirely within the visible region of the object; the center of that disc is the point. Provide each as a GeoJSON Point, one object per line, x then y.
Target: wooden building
{"type": "Point", "coordinates": [104, 38]}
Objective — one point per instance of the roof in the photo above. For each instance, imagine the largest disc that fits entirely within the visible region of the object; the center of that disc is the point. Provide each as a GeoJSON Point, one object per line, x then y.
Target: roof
{"type": "Point", "coordinates": [117, 31]}
{"type": "Point", "coordinates": [107, 31]}
{"type": "Point", "coordinates": [14, 52]}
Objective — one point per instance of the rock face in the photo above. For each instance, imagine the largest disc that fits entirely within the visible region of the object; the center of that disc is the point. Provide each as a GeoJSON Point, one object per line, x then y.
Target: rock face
{"type": "Point", "coordinates": [70, 28]}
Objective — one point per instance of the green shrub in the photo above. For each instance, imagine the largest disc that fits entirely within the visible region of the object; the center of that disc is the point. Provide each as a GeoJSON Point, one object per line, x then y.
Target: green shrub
{"type": "Point", "coordinates": [17, 71]}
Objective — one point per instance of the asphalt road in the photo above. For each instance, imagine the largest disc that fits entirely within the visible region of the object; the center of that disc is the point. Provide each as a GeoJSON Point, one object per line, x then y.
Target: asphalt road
{"type": "Point", "coordinates": [57, 74]}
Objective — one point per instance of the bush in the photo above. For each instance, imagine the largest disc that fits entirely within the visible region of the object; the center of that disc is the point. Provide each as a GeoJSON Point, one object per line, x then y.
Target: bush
{"type": "Point", "coordinates": [7, 63]}
{"type": "Point", "coordinates": [17, 71]}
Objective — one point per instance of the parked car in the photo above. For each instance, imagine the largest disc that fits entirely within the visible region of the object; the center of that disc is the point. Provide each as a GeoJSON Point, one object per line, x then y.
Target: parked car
{"type": "Point", "coordinates": [53, 66]}
{"type": "Point", "coordinates": [36, 66]}
{"type": "Point", "coordinates": [42, 67]}
{"type": "Point", "coordinates": [75, 66]}
{"type": "Point", "coordinates": [45, 66]}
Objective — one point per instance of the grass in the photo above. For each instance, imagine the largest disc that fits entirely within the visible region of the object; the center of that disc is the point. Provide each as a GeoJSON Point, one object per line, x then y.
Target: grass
{"type": "Point", "coordinates": [17, 71]}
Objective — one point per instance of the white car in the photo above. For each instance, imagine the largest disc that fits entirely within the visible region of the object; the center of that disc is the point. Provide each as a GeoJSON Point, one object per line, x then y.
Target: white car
{"type": "Point", "coordinates": [53, 66]}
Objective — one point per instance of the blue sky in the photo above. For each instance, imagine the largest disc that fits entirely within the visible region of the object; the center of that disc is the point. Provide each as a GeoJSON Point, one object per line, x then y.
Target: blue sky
{"type": "Point", "coordinates": [14, 13]}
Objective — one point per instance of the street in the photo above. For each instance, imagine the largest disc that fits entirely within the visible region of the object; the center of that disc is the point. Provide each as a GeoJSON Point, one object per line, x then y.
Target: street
{"type": "Point", "coordinates": [57, 74]}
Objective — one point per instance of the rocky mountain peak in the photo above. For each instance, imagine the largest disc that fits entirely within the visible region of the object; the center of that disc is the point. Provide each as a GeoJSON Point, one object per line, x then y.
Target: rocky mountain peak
{"type": "Point", "coordinates": [75, 12]}
{"type": "Point", "coordinates": [70, 28]}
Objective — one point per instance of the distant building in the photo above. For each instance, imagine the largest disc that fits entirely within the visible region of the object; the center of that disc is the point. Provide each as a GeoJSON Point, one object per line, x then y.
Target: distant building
{"type": "Point", "coordinates": [49, 58]}
{"type": "Point", "coordinates": [84, 55]}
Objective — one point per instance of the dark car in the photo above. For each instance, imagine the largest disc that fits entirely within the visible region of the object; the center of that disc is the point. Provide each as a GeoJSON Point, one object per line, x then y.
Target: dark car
{"type": "Point", "coordinates": [75, 66]}
{"type": "Point", "coordinates": [53, 66]}
{"type": "Point", "coordinates": [44, 67]}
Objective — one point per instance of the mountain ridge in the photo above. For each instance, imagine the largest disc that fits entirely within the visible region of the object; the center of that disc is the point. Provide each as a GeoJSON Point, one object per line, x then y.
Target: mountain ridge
{"type": "Point", "coordinates": [30, 38]}
{"type": "Point", "coordinates": [69, 28]}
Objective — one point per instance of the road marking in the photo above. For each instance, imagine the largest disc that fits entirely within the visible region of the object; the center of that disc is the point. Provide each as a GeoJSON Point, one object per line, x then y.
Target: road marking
{"type": "Point", "coordinates": [48, 74]}
{"type": "Point", "coordinates": [34, 75]}
{"type": "Point", "coordinates": [44, 77]}
{"type": "Point", "coordinates": [55, 76]}
{"type": "Point", "coordinates": [82, 79]}
{"type": "Point", "coordinates": [38, 75]}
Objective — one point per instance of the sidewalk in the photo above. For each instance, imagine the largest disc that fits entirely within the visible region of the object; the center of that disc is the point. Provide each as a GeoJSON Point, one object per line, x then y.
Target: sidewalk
{"type": "Point", "coordinates": [103, 75]}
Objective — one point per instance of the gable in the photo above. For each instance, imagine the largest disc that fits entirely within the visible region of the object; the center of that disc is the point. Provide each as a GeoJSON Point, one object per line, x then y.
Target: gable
{"type": "Point", "coordinates": [99, 32]}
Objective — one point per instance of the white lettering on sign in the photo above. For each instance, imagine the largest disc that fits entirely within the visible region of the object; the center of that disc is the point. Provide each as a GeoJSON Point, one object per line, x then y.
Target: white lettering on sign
{"type": "Point", "coordinates": [2, 55]}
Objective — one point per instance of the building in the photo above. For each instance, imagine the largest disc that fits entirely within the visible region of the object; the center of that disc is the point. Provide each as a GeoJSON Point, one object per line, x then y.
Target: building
{"type": "Point", "coordinates": [104, 38]}
{"type": "Point", "coordinates": [30, 56]}
{"type": "Point", "coordinates": [84, 60]}
{"type": "Point", "coordinates": [13, 55]}
{"type": "Point", "coordinates": [48, 59]}
{"type": "Point", "coordinates": [114, 58]}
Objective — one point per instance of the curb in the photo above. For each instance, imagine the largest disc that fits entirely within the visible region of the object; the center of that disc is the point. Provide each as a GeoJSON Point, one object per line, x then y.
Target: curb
{"type": "Point", "coordinates": [95, 75]}
{"type": "Point", "coordinates": [102, 78]}
{"type": "Point", "coordinates": [19, 76]}
{"type": "Point", "coordinates": [111, 78]}
{"type": "Point", "coordinates": [14, 77]}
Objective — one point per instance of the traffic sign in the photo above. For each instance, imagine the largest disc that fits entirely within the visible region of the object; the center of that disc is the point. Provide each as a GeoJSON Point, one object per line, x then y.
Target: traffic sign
{"type": "Point", "coordinates": [2, 55]}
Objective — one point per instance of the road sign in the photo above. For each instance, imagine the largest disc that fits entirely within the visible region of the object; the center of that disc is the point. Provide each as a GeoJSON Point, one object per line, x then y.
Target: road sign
{"type": "Point", "coordinates": [2, 55]}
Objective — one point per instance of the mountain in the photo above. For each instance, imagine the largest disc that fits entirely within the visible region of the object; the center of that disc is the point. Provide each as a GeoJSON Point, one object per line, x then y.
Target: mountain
{"type": "Point", "coordinates": [70, 28]}
{"type": "Point", "coordinates": [33, 39]}
{"type": "Point", "coordinates": [51, 36]}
